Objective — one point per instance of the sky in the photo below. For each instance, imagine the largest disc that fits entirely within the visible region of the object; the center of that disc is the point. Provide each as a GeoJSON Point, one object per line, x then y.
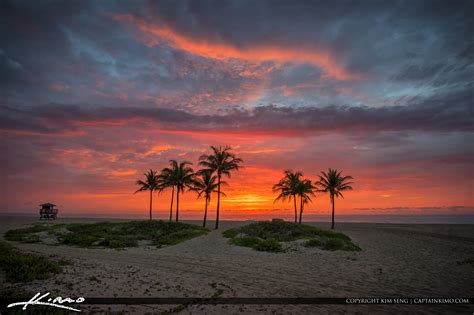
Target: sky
{"type": "Point", "coordinates": [95, 93]}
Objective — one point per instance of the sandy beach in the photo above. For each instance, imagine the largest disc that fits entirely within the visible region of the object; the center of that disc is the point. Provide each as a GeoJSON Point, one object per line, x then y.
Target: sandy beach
{"type": "Point", "coordinates": [397, 260]}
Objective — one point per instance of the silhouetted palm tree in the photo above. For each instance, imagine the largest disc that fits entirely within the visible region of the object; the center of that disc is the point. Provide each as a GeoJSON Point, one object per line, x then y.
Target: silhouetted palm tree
{"type": "Point", "coordinates": [333, 183]}
{"type": "Point", "coordinates": [287, 188]}
{"type": "Point", "coordinates": [223, 162]}
{"type": "Point", "coordinates": [183, 178]}
{"type": "Point", "coordinates": [304, 189]}
{"type": "Point", "coordinates": [151, 183]}
{"type": "Point", "coordinates": [168, 177]}
{"type": "Point", "coordinates": [205, 184]}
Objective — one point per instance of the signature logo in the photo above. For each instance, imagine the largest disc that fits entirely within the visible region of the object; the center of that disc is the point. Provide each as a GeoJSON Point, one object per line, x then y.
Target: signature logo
{"type": "Point", "coordinates": [58, 302]}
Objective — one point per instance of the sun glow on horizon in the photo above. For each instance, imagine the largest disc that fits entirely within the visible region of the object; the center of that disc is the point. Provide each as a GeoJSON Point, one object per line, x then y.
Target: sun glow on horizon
{"type": "Point", "coordinates": [94, 98]}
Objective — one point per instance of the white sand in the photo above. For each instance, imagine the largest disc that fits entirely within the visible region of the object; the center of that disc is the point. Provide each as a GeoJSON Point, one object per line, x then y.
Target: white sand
{"type": "Point", "coordinates": [397, 260]}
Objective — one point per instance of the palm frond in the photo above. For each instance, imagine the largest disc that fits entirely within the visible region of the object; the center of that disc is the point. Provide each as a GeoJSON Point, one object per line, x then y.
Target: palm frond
{"type": "Point", "coordinates": [152, 182]}
{"type": "Point", "coordinates": [334, 182]}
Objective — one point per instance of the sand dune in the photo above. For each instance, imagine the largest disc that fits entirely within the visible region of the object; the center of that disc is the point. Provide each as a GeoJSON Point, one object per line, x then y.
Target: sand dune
{"type": "Point", "coordinates": [397, 260]}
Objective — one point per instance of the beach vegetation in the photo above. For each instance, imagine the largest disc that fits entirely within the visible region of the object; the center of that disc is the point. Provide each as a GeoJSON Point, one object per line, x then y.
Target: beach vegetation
{"type": "Point", "coordinates": [271, 235]}
{"type": "Point", "coordinates": [21, 267]}
{"type": "Point", "coordinates": [113, 234]}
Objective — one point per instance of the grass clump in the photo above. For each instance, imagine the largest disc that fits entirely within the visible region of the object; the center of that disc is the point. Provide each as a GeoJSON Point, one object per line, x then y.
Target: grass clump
{"type": "Point", "coordinates": [268, 236]}
{"type": "Point", "coordinates": [332, 244]}
{"type": "Point", "coordinates": [20, 267]}
{"type": "Point", "coordinates": [247, 241]}
{"type": "Point", "coordinates": [230, 233]}
{"type": "Point", "coordinates": [21, 235]}
{"type": "Point", "coordinates": [270, 245]}
{"type": "Point", "coordinates": [179, 236]}
{"type": "Point", "coordinates": [314, 242]}
{"type": "Point", "coordinates": [112, 234]}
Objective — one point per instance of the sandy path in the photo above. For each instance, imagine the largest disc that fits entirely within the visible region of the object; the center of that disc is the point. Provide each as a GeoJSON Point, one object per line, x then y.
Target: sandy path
{"type": "Point", "coordinates": [397, 260]}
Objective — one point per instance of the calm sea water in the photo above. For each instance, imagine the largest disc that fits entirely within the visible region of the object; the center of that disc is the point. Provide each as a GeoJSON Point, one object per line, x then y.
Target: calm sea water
{"type": "Point", "coordinates": [407, 219]}
{"type": "Point", "coordinates": [401, 219]}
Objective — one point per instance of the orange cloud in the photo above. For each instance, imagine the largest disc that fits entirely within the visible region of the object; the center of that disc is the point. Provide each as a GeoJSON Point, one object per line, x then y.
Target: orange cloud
{"type": "Point", "coordinates": [122, 173]}
{"type": "Point", "coordinates": [155, 33]}
{"type": "Point", "coordinates": [158, 149]}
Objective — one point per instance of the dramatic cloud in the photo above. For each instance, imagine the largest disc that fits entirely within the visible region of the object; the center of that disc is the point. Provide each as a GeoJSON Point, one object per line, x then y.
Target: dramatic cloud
{"type": "Point", "coordinates": [222, 51]}
{"type": "Point", "coordinates": [95, 92]}
{"type": "Point", "coordinates": [432, 116]}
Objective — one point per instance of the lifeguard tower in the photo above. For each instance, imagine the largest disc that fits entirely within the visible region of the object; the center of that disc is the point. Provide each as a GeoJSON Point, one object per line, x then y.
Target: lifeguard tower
{"type": "Point", "coordinates": [48, 211]}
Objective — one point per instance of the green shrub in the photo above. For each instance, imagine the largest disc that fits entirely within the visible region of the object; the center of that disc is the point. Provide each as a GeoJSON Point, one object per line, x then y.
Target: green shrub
{"type": "Point", "coordinates": [230, 233]}
{"type": "Point", "coordinates": [339, 244]}
{"type": "Point", "coordinates": [247, 241]}
{"type": "Point", "coordinates": [179, 236]}
{"type": "Point", "coordinates": [78, 239]}
{"type": "Point", "coordinates": [116, 244]}
{"type": "Point", "coordinates": [314, 242]}
{"type": "Point", "coordinates": [276, 231]}
{"type": "Point", "coordinates": [19, 235]}
{"type": "Point", "coordinates": [32, 238]}
{"type": "Point", "coordinates": [334, 244]}
{"type": "Point", "coordinates": [20, 267]}
{"type": "Point", "coordinates": [112, 234]}
{"type": "Point", "coordinates": [270, 245]}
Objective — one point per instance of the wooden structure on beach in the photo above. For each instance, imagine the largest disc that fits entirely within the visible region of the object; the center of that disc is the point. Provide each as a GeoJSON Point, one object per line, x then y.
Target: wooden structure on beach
{"type": "Point", "coordinates": [48, 211]}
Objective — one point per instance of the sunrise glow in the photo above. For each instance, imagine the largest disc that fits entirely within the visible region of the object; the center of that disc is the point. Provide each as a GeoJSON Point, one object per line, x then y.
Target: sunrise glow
{"type": "Point", "coordinates": [93, 99]}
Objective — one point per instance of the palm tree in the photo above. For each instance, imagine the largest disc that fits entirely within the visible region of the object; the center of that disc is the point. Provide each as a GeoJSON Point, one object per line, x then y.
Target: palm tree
{"type": "Point", "coordinates": [304, 189]}
{"type": "Point", "coordinates": [205, 184]}
{"type": "Point", "coordinates": [151, 183]}
{"type": "Point", "coordinates": [182, 178]}
{"type": "Point", "coordinates": [333, 182]}
{"type": "Point", "coordinates": [287, 188]}
{"type": "Point", "coordinates": [168, 177]}
{"type": "Point", "coordinates": [223, 162]}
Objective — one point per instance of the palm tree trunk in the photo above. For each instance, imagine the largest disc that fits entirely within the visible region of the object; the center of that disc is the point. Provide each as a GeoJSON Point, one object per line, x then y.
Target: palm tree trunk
{"type": "Point", "coordinates": [177, 204]}
{"type": "Point", "coordinates": [218, 199]}
{"type": "Point", "coordinates": [296, 212]}
{"type": "Point", "coordinates": [171, 206]}
{"type": "Point", "coordinates": [301, 208]}
{"type": "Point", "coordinates": [332, 202]}
{"type": "Point", "coordinates": [151, 201]}
{"type": "Point", "coordinates": [205, 214]}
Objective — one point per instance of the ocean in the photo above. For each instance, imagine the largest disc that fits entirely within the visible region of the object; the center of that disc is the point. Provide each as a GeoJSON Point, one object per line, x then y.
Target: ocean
{"type": "Point", "coordinates": [372, 218]}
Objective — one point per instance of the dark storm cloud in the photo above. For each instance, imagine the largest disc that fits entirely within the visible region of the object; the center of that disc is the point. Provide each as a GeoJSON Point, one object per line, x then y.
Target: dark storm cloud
{"type": "Point", "coordinates": [63, 52]}
{"type": "Point", "coordinates": [434, 116]}
{"type": "Point", "coordinates": [370, 31]}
